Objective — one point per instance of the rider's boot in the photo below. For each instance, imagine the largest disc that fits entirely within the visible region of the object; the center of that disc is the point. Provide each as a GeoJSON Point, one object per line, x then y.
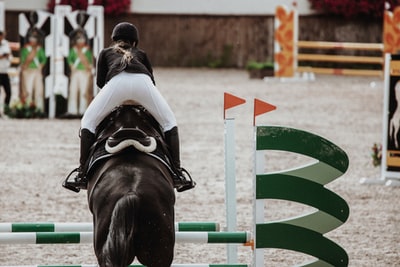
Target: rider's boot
{"type": "Point", "coordinates": [80, 181]}
{"type": "Point", "coordinates": [182, 179]}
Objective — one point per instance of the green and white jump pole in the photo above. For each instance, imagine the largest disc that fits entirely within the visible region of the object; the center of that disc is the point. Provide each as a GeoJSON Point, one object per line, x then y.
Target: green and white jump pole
{"type": "Point", "coordinates": [139, 265]}
{"type": "Point", "coordinates": [88, 227]}
{"type": "Point", "coordinates": [87, 237]}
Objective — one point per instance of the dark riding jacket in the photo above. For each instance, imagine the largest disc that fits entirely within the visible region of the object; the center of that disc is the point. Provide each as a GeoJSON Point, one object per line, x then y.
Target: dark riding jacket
{"type": "Point", "coordinates": [109, 65]}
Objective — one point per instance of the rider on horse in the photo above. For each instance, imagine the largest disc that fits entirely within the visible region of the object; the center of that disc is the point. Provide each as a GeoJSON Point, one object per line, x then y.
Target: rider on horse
{"type": "Point", "coordinates": [124, 73]}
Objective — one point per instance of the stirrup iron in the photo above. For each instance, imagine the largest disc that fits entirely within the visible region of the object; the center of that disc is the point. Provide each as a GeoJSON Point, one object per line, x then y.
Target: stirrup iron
{"type": "Point", "coordinates": [77, 184]}
{"type": "Point", "coordinates": [184, 181]}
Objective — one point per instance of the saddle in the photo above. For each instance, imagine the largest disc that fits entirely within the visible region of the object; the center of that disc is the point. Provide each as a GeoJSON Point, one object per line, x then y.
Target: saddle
{"type": "Point", "coordinates": [130, 127]}
{"type": "Point", "coordinates": [114, 137]}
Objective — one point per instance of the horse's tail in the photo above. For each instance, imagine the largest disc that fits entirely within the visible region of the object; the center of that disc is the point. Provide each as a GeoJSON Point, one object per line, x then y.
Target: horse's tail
{"type": "Point", "coordinates": [119, 246]}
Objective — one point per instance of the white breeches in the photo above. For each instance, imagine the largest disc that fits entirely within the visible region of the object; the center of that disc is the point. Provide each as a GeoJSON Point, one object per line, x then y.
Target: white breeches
{"type": "Point", "coordinates": [128, 86]}
{"type": "Point", "coordinates": [33, 84]}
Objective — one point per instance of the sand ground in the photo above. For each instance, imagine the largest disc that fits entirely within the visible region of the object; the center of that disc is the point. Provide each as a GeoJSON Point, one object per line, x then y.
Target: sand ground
{"type": "Point", "coordinates": [36, 154]}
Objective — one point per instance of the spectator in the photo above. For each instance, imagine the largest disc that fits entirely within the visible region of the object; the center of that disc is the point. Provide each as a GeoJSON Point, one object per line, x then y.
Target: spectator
{"type": "Point", "coordinates": [80, 60]}
{"type": "Point", "coordinates": [33, 58]}
{"type": "Point", "coordinates": [5, 54]}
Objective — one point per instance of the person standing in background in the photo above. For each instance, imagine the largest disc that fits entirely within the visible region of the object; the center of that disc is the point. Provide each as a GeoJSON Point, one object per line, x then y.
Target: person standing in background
{"type": "Point", "coordinates": [33, 58]}
{"type": "Point", "coordinates": [5, 54]}
{"type": "Point", "coordinates": [80, 60]}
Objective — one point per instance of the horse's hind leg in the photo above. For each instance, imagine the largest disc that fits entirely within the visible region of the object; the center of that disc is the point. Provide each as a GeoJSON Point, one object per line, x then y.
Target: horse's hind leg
{"type": "Point", "coordinates": [118, 249]}
{"type": "Point", "coordinates": [112, 235]}
{"type": "Point", "coordinates": [157, 240]}
{"type": "Point", "coordinates": [157, 256]}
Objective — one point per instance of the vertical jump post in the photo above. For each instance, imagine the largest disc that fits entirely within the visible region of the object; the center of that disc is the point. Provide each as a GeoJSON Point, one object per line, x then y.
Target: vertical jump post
{"type": "Point", "coordinates": [260, 107]}
{"type": "Point", "coordinates": [230, 101]}
{"type": "Point", "coordinates": [98, 41]}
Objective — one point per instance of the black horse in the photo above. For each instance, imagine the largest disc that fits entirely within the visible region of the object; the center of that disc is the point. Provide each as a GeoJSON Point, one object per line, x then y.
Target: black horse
{"type": "Point", "coordinates": [130, 193]}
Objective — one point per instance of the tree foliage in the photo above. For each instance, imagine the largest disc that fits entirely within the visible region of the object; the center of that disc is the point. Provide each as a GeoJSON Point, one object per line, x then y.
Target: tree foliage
{"type": "Point", "coordinates": [111, 7]}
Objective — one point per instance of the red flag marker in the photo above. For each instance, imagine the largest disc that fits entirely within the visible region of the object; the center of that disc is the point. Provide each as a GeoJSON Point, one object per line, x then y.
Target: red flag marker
{"type": "Point", "coordinates": [261, 107]}
{"type": "Point", "coordinates": [231, 101]}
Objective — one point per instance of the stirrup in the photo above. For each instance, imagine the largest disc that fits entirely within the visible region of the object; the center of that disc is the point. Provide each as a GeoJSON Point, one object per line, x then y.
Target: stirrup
{"type": "Point", "coordinates": [183, 181]}
{"type": "Point", "coordinates": [77, 184]}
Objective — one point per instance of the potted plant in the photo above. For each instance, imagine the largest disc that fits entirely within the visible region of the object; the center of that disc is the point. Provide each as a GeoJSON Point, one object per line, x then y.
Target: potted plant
{"type": "Point", "coordinates": [259, 70]}
{"type": "Point", "coordinates": [24, 110]}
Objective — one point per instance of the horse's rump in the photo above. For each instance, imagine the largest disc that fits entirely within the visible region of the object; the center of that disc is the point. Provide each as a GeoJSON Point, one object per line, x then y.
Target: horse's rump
{"type": "Point", "coordinates": [133, 214]}
{"type": "Point", "coordinates": [132, 198]}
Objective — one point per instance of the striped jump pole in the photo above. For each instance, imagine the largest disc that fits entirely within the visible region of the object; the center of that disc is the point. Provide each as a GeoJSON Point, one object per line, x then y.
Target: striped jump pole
{"type": "Point", "coordinates": [87, 237]}
{"type": "Point", "coordinates": [88, 227]}
{"type": "Point", "coordinates": [138, 265]}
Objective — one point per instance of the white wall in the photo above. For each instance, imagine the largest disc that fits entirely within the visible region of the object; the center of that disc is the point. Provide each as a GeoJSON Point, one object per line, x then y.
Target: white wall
{"type": "Point", "coordinates": [210, 7]}
{"type": "Point", "coordinates": [215, 7]}
{"type": "Point", "coordinates": [25, 4]}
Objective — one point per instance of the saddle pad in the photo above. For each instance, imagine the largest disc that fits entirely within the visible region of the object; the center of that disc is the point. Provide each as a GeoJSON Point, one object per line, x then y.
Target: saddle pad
{"type": "Point", "coordinates": [100, 153]}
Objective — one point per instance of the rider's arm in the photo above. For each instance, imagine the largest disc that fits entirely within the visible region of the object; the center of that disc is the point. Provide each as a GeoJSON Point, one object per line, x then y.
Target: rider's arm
{"type": "Point", "coordinates": [147, 64]}
{"type": "Point", "coordinates": [102, 69]}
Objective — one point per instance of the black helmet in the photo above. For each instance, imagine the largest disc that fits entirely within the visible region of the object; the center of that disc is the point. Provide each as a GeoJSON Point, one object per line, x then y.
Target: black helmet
{"type": "Point", "coordinates": [125, 31]}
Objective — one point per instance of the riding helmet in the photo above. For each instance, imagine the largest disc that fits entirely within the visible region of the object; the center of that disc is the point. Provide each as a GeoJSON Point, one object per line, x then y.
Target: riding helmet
{"type": "Point", "coordinates": [125, 31]}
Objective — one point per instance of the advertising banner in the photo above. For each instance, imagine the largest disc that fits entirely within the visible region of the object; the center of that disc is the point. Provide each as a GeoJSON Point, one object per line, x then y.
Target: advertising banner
{"type": "Point", "coordinates": [390, 163]}
{"type": "Point", "coordinates": [393, 116]}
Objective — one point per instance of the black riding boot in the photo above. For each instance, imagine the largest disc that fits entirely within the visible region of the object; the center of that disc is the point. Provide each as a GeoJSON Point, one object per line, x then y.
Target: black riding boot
{"type": "Point", "coordinates": [182, 179]}
{"type": "Point", "coordinates": [80, 181]}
